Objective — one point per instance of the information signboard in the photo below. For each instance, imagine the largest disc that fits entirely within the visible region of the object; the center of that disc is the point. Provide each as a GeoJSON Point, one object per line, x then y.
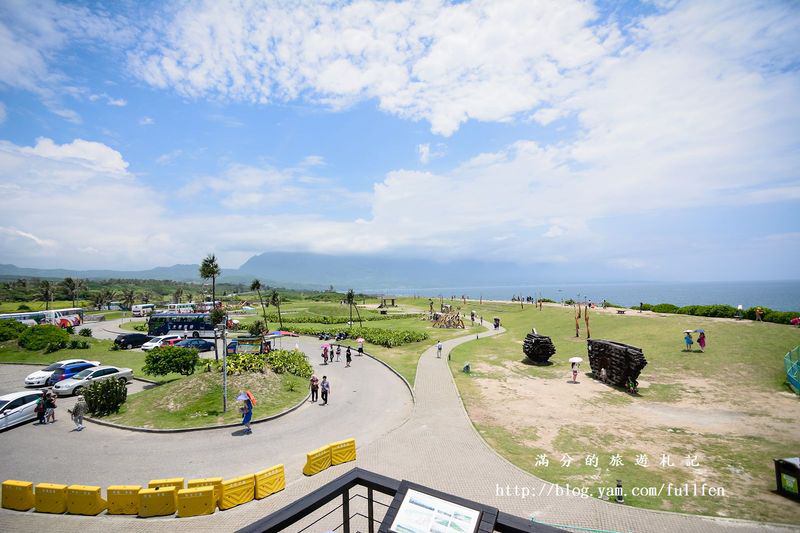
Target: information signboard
{"type": "Point", "coordinates": [423, 513]}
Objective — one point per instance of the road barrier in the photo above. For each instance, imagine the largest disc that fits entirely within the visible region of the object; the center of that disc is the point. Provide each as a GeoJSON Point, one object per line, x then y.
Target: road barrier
{"type": "Point", "coordinates": [317, 461]}
{"type": "Point", "coordinates": [343, 451]}
{"type": "Point", "coordinates": [51, 498]}
{"type": "Point", "coordinates": [196, 501]}
{"type": "Point", "coordinates": [18, 495]}
{"type": "Point", "coordinates": [123, 499]}
{"type": "Point", "coordinates": [158, 501]}
{"type": "Point", "coordinates": [85, 499]}
{"type": "Point", "coordinates": [164, 497]}
{"type": "Point", "coordinates": [270, 481]}
{"type": "Point", "coordinates": [237, 491]}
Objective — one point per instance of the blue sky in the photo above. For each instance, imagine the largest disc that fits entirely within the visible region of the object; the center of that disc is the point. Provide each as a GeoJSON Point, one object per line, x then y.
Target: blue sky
{"type": "Point", "coordinates": [653, 140]}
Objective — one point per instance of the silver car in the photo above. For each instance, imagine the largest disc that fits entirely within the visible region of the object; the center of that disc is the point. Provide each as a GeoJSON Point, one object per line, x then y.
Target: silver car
{"type": "Point", "coordinates": [83, 379]}
{"type": "Point", "coordinates": [18, 407]}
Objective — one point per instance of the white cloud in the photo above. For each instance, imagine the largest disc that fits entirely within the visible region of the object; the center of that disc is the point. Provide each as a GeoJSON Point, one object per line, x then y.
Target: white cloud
{"type": "Point", "coordinates": [146, 121]}
{"type": "Point", "coordinates": [169, 157]}
{"type": "Point", "coordinates": [424, 151]}
{"type": "Point", "coordinates": [442, 63]}
{"type": "Point", "coordinates": [116, 102]}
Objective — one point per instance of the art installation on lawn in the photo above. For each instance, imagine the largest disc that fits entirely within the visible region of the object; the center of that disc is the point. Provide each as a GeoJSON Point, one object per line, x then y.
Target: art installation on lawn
{"type": "Point", "coordinates": [622, 363]}
{"type": "Point", "coordinates": [538, 348]}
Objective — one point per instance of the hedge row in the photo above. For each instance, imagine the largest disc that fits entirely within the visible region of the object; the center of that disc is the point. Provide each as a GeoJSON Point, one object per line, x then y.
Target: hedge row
{"type": "Point", "coordinates": [335, 319]}
{"type": "Point", "coordinates": [382, 337]}
{"type": "Point", "coordinates": [721, 311]}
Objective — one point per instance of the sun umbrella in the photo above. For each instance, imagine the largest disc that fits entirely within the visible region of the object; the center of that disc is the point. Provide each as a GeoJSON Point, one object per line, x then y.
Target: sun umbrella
{"type": "Point", "coordinates": [699, 331]}
{"type": "Point", "coordinates": [242, 397]}
{"type": "Point", "coordinates": [250, 395]}
{"type": "Point", "coordinates": [326, 345]}
{"type": "Point", "coordinates": [688, 331]}
{"type": "Point", "coordinates": [360, 339]}
{"type": "Point", "coordinates": [576, 359]}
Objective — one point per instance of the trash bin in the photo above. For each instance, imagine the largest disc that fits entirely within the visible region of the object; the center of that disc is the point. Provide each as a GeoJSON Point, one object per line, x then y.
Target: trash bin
{"type": "Point", "coordinates": [496, 323]}
{"type": "Point", "coordinates": [787, 476]}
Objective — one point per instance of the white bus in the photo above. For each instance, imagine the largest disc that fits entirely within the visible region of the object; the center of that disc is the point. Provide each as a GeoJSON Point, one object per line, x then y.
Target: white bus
{"type": "Point", "coordinates": [143, 309]}
{"type": "Point", "coordinates": [180, 308]}
{"type": "Point", "coordinates": [72, 316]}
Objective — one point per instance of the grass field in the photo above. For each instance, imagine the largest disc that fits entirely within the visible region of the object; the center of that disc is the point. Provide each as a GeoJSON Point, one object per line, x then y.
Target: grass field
{"type": "Point", "coordinates": [196, 400]}
{"type": "Point", "coordinates": [33, 305]}
{"type": "Point", "coordinates": [727, 408]}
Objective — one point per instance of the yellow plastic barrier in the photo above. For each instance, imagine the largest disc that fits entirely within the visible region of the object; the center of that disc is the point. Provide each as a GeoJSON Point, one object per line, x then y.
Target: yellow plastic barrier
{"type": "Point", "coordinates": [159, 501]}
{"type": "Point", "coordinates": [215, 482]}
{"type": "Point", "coordinates": [343, 451]}
{"type": "Point", "coordinates": [176, 482]}
{"type": "Point", "coordinates": [270, 481]}
{"type": "Point", "coordinates": [123, 499]}
{"type": "Point", "coordinates": [84, 499]}
{"type": "Point", "coordinates": [197, 501]}
{"type": "Point", "coordinates": [237, 491]}
{"type": "Point", "coordinates": [317, 461]}
{"type": "Point", "coordinates": [51, 498]}
{"type": "Point", "coordinates": [18, 495]}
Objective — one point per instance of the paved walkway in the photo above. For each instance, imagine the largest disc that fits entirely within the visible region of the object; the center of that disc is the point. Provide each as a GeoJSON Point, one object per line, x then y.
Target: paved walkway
{"type": "Point", "coordinates": [436, 446]}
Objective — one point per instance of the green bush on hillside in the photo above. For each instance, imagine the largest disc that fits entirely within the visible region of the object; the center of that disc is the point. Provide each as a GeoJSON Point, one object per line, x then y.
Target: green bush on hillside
{"type": "Point", "coordinates": [382, 337]}
{"type": "Point", "coordinates": [167, 359]}
{"type": "Point", "coordinates": [39, 336]}
{"type": "Point", "coordinates": [105, 397]}
{"type": "Point", "coordinates": [11, 329]}
{"type": "Point", "coordinates": [665, 308]}
{"type": "Point", "coordinates": [292, 361]}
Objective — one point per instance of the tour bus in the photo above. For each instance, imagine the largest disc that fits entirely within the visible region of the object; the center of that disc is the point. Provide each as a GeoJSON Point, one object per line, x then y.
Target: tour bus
{"type": "Point", "coordinates": [72, 316]}
{"type": "Point", "coordinates": [191, 325]}
{"type": "Point", "coordinates": [205, 307]}
{"type": "Point", "coordinates": [180, 308]}
{"type": "Point", "coordinates": [143, 309]}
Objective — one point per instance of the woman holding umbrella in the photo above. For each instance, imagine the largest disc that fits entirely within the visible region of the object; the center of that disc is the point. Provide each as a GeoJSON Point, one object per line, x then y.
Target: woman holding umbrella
{"type": "Point", "coordinates": [248, 401]}
{"type": "Point", "coordinates": [701, 339]}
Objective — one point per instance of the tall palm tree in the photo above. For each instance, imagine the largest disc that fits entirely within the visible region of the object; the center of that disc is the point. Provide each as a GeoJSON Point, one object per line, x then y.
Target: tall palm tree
{"type": "Point", "coordinates": [128, 297]}
{"type": "Point", "coordinates": [275, 299]}
{"type": "Point", "coordinates": [177, 295]}
{"type": "Point", "coordinates": [351, 302]}
{"type": "Point", "coordinates": [72, 286]}
{"type": "Point", "coordinates": [108, 296]}
{"type": "Point", "coordinates": [97, 299]}
{"type": "Point", "coordinates": [256, 286]}
{"type": "Point", "coordinates": [145, 296]}
{"type": "Point", "coordinates": [209, 269]}
{"type": "Point", "coordinates": [46, 291]}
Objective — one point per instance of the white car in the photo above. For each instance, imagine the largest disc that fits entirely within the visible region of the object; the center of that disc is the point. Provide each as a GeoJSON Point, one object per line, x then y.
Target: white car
{"type": "Point", "coordinates": [18, 407]}
{"type": "Point", "coordinates": [76, 383]}
{"type": "Point", "coordinates": [40, 377]}
{"type": "Point", "coordinates": [163, 340]}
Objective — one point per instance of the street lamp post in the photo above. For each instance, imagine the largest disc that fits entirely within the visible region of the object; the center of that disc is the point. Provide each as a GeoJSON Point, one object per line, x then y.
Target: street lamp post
{"type": "Point", "coordinates": [223, 327]}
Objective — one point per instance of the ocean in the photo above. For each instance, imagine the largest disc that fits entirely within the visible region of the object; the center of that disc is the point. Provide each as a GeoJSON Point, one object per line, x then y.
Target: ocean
{"type": "Point", "coordinates": [779, 295]}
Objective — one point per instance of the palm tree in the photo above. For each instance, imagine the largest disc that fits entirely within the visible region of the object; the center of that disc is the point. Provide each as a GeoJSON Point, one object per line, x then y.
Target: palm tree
{"type": "Point", "coordinates": [275, 299]}
{"type": "Point", "coordinates": [209, 269]}
{"type": "Point", "coordinates": [145, 297]}
{"type": "Point", "coordinates": [46, 291]}
{"type": "Point", "coordinates": [351, 302]}
{"type": "Point", "coordinates": [256, 286]}
{"type": "Point", "coordinates": [108, 296]}
{"type": "Point", "coordinates": [177, 295]}
{"type": "Point", "coordinates": [72, 286]}
{"type": "Point", "coordinates": [128, 297]}
{"type": "Point", "coordinates": [97, 299]}
{"type": "Point", "coordinates": [189, 297]}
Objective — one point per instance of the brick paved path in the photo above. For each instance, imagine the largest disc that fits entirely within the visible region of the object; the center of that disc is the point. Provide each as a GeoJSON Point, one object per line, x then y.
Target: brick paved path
{"type": "Point", "coordinates": [438, 447]}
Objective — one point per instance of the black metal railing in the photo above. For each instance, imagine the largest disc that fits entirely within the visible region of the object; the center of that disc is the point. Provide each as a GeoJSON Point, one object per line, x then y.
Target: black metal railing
{"type": "Point", "coordinates": [341, 487]}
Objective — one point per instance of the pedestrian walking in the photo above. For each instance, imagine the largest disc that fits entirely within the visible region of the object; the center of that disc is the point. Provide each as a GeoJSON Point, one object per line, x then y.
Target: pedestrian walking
{"type": "Point", "coordinates": [40, 410]}
{"type": "Point", "coordinates": [314, 388]}
{"type": "Point", "coordinates": [701, 341]}
{"type": "Point", "coordinates": [325, 355]}
{"type": "Point", "coordinates": [326, 389]}
{"type": "Point", "coordinates": [348, 357]}
{"type": "Point", "coordinates": [361, 347]}
{"type": "Point", "coordinates": [338, 352]}
{"type": "Point", "coordinates": [759, 314]}
{"type": "Point", "coordinates": [50, 407]}
{"type": "Point", "coordinates": [247, 411]}
{"type": "Point", "coordinates": [688, 340]}
{"type": "Point", "coordinates": [438, 349]}
{"type": "Point", "coordinates": [575, 372]}
{"type": "Point", "coordinates": [78, 412]}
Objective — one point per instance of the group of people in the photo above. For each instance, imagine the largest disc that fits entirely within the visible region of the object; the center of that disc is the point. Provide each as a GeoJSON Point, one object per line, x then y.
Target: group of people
{"type": "Point", "coordinates": [45, 410]}
{"type": "Point", "coordinates": [328, 353]}
{"type": "Point", "coordinates": [701, 341]}
{"type": "Point", "coordinates": [324, 386]}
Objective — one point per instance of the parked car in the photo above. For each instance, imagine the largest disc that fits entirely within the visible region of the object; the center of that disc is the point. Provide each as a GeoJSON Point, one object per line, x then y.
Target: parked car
{"type": "Point", "coordinates": [200, 345]}
{"type": "Point", "coordinates": [66, 372]}
{"type": "Point", "coordinates": [126, 341]}
{"type": "Point", "coordinates": [164, 340]}
{"type": "Point", "coordinates": [40, 378]}
{"type": "Point", "coordinates": [76, 383]}
{"type": "Point", "coordinates": [18, 407]}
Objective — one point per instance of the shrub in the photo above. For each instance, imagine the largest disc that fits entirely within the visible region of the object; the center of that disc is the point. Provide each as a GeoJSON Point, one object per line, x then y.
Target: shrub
{"type": "Point", "coordinates": [105, 397]}
{"type": "Point", "coordinates": [257, 328]}
{"type": "Point", "coordinates": [292, 361]}
{"type": "Point", "coordinates": [665, 308]}
{"type": "Point", "coordinates": [382, 337]}
{"type": "Point", "coordinates": [85, 332]}
{"type": "Point", "coordinates": [23, 307]}
{"type": "Point", "coordinates": [11, 329]}
{"type": "Point", "coordinates": [140, 327]}
{"type": "Point", "coordinates": [55, 346]}
{"type": "Point", "coordinates": [165, 359]}
{"type": "Point", "coordinates": [70, 330]}
{"type": "Point", "coordinates": [39, 336]}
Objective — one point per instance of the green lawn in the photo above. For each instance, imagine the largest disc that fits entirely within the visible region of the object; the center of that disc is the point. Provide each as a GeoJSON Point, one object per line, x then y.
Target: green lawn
{"type": "Point", "coordinates": [33, 305]}
{"type": "Point", "coordinates": [99, 350]}
{"type": "Point", "coordinates": [741, 372]}
{"type": "Point", "coordinates": [196, 400]}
